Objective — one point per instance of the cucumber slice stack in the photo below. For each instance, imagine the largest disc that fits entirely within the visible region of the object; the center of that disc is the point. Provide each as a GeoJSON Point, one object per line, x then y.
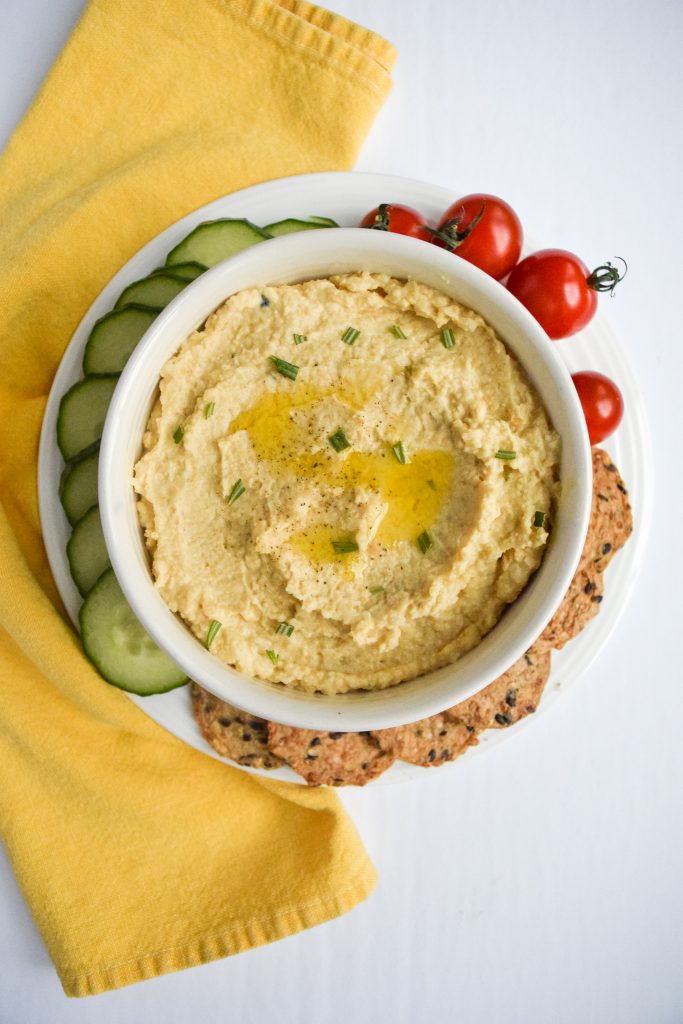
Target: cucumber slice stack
{"type": "Point", "coordinates": [113, 639]}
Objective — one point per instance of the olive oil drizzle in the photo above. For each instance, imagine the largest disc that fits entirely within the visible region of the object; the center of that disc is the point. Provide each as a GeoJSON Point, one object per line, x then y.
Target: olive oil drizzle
{"type": "Point", "coordinates": [413, 493]}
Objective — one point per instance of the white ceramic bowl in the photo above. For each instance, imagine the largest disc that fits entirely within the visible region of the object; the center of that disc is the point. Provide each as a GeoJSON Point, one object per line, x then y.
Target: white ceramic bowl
{"type": "Point", "coordinates": [298, 257]}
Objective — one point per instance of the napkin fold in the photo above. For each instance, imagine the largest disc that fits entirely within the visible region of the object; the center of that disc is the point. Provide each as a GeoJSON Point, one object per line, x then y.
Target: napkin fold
{"type": "Point", "coordinates": [137, 854]}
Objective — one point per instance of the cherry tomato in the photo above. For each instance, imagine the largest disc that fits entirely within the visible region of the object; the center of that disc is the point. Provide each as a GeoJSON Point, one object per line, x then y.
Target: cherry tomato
{"type": "Point", "coordinates": [559, 290]}
{"type": "Point", "coordinates": [483, 230]}
{"type": "Point", "coordinates": [403, 220]}
{"type": "Point", "coordinates": [602, 404]}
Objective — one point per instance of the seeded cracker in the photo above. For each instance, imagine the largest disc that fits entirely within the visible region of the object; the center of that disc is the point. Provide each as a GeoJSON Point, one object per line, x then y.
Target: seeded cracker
{"type": "Point", "coordinates": [329, 758]}
{"type": "Point", "coordinates": [609, 529]}
{"type": "Point", "coordinates": [429, 742]}
{"type": "Point", "coordinates": [508, 698]}
{"type": "Point", "coordinates": [233, 733]}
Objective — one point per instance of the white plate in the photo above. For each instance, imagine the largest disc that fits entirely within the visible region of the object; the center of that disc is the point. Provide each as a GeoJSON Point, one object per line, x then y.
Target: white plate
{"type": "Point", "coordinates": [346, 196]}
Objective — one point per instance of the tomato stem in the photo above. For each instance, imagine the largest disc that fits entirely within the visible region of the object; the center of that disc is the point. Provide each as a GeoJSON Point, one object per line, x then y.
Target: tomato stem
{"type": "Point", "coordinates": [606, 277]}
{"type": "Point", "coordinates": [381, 218]}
{"type": "Point", "coordinates": [450, 233]}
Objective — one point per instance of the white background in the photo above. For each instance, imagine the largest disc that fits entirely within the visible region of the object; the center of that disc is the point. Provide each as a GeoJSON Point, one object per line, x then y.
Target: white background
{"type": "Point", "coordinates": [541, 883]}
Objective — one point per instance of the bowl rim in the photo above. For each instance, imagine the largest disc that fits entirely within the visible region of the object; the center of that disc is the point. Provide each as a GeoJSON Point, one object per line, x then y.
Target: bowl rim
{"type": "Point", "coordinates": [360, 710]}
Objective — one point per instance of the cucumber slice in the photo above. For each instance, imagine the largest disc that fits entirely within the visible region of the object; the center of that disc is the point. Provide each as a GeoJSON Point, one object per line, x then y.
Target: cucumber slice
{"type": "Point", "coordinates": [155, 291]}
{"type": "Point", "coordinates": [119, 648]}
{"type": "Point", "coordinates": [185, 271]}
{"type": "Point", "coordinates": [78, 487]}
{"type": "Point", "coordinates": [325, 221]}
{"type": "Point", "coordinates": [114, 337]}
{"type": "Point", "coordinates": [216, 240]}
{"type": "Point", "coordinates": [82, 412]}
{"type": "Point", "coordinates": [291, 224]}
{"type": "Point", "coordinates": [87, 552]}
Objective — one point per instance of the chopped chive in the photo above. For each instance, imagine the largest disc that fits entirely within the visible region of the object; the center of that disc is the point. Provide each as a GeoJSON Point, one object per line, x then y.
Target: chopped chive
{"type": "Point", "coordinates": [447, 338]}
{"type": "Point", "coordinates": [298, 338]}
{"type": "Point", "coordinates": [264, 301]}
{"type": "Point", "coordinates": [178, 435]}
{"type": "Point", "coordinates": [344, 547]}
{"type": "Point", "coordinates": [237, 491]}
{"type": "Point", "coordinates": [539, 518]}
{"type": "Point", "coordinates": [376, 590]}
{"type": "Point", "coordinates": [350, 335]}
{"type": "Point", "coordinates": [397, 331]}
{"type": "Point", "coordinates": [339, 440]}
{"type": "Point", "coordinates": [286, 369]}
{"type": "Point", "coordinates": [399, 452]}
{"type": "Point", "coordinates": [284, 628]}
{"type": "Point", "coordinates": [506, 456]}
{"type": "Point", "coordinates": [273, 656]}
{"type": "Point", "coordinates": [430, 483]}
{"type": "Point", "coordinates": [208, 410]}
{"type": "Point", "coordinates": [214, 626]}
{"type": "Point", "coordinates": [425, 541]}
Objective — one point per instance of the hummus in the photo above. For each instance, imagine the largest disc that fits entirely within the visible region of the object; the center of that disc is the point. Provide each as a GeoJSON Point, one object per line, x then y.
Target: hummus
{"type": "Point", "coordinates": [364, 512]}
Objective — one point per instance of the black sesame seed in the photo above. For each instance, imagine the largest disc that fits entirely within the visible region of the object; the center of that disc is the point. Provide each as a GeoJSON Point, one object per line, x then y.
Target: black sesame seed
{"type": "Point", "coordinates": [597, 598]}
{"type": "Point", "coordinates": [511, 698]}
{"type": "Point", "coordinates": [589, 588]}
{"type": "Point", "coordinates": [620, 487]}
{"type": "Point", "coordinates": [225, 722]}
{"type": "Point", "coordinates": [311, 757]}
{"type": "Point", "coordinates": [503, 719]}
{"type": "Point", "coordinates": [606, 548]}
{"type": "Point", "coordinates": [443, 732]}
{"type": "Point", "coordinates": [444, 754]}
{"type": "Point", "coordinates": [528, 659]}
{"type": "Point", "coordinates": [364, 766]}
{"type": "Point", "coordinates": [603, 497]}
{"type": "Point", "coordinates": [246, 736]}
{"type": "Point", "coordinates": [264, 301]}
{"type": "Point", "coordinates": [336, 735]}
{"type": "Point", "coordinates": [431, 755]}
{"type": "Point", "coordinates": [611, 468]}
{"type": "Point", "coordinates": [315, 741]}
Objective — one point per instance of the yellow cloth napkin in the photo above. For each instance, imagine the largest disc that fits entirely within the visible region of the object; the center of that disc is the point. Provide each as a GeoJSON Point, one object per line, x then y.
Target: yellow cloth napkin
{"type": "Point", "coordinates": [137, 854]}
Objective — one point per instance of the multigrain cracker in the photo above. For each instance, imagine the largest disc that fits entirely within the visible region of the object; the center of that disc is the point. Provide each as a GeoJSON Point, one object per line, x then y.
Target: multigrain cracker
{"type": "Point", "coordinates": [611, 519]}
{"type": "Point", "coordinates": [513, 695]}
{"type": "Point", "coordinates": [233, 733]}
{"type": "Point", "coordinates": [428, 742]}
{"type": "Point", "coordinates": [329, 758]}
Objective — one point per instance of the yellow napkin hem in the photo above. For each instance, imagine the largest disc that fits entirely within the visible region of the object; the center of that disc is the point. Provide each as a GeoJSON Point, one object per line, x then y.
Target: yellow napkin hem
{"type": "Point", "coordinates": [204, 949]}
{"type": "Point", "coordinates": [326, 37]}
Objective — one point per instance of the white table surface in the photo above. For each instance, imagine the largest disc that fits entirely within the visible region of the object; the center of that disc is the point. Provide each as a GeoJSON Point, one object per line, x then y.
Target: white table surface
{"type": "Point", "coordinates": [542, 883]}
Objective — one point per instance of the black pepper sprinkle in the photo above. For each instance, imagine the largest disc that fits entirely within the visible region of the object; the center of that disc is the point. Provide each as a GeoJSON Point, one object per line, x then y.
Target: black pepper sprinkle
{"type": "Point", "coordinates": [606, 548]}
{"type": "Point", "coordinates": [315, 741]}
{"type": "Point", "coordinates": [431, 755]}
{"type": "Point", "coordinates": [597, 598]}
{"type": "Point", "coordinates": [246, 736]}
{"type": "Point", "coordinates": [503, 719]}
{"type": "Point", "coordinates": [589, 588]}
{"type": "Point", "coordinates": [511, 698]}
{"type": "Point", "coordinates": [336, 735]}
